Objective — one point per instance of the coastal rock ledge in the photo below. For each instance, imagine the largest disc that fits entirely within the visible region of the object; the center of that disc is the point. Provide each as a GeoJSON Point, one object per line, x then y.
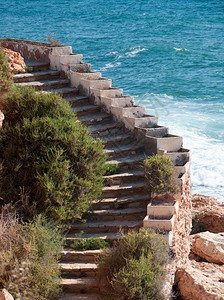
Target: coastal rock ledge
{"type": "Point", "coordinates": [201, 281]}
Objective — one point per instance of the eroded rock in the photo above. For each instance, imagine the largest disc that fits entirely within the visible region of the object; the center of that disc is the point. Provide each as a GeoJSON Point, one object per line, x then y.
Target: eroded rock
{"type": "Point", "coordinates": [209, 246]}
{"type": "Point", "coordinates": [15, 61]}
{"type": "Point", "coordinates": [201, 281]}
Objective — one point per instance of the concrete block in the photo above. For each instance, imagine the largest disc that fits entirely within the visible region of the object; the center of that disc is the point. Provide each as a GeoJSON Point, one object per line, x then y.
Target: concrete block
{"type": "Point", "coordinates": [160, 224]}
{"type": "Point", "coordinates": [124, 101]}
{"type": "Point", "coordinates": [158, 131]}
{"type": "Point", "coordinates": [81, 68]}
{"type": "Point", "coordinates": [179, 158]}
{"type": "Point", "coordinates": [162, 209]}
{"type": "Point", "coordinates": [77, 77]}
{"type": "Point", "coordinates": [139, 124]}
{"type": "Point", "coordinates": [96, 94]}
{"type": "Point", "coordinates": [168, 143]}
{"type": "Point", "coordinates": [61, 50]}
{"type": "Point", "coordinates": [71, 59]}
{"type": "Point", "coordinates": [100, 84]}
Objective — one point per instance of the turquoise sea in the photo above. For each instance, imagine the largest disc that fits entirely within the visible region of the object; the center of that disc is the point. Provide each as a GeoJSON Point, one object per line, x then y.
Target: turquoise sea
{"type": "Point", "coordinates": [169, 54]}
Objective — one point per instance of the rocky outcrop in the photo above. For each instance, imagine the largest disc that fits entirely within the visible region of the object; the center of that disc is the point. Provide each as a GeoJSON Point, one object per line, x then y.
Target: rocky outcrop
{"type": "Point", "coordinates": [209, 246]}
{"type": "Point", "coordinates": [208, 214]}
{"type": "Point", "coordinates": [15, 61]}
{"type": "Point", "coordinates": [201, 281]}
{"type": "Point", "coordinates": [5, 295]}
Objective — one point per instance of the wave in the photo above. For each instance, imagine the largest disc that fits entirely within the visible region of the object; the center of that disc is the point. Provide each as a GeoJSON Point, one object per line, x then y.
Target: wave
{"type": "Point", "coordinates": [181, 49]}
{"type": "Point", "coordinates": [109, 66]}
{"type": "Point", "coordinates": [134, 51]}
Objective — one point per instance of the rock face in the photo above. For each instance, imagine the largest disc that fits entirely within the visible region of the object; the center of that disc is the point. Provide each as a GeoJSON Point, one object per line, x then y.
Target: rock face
{"type": "Point", "coordinates": [15, 61]}
{"type": "Point", "coordinates": [5, 295]}
{"type": "Point", "coordinates": [209, 246]}
{"type": "Point", "coordinates": [201, 281]}
{"type": "Point", "coordinates": [208, 213]}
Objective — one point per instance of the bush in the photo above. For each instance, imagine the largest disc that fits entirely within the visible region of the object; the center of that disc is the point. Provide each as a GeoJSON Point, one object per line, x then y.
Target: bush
{"type": "Point", "coordinates": [134, 266]}
{"type": "Point", "coordinates": [29, 255]}
{"type": "Point", "coordinates": [158, 171]}
{"type": "Point", "coordinates": [81, 244]}
{"type": "Point", "coordinates": [6, 79]}
{"type": "Point", "coordinates": [112, 169]}
{"type": "Point", "coordinates": [49, 160]}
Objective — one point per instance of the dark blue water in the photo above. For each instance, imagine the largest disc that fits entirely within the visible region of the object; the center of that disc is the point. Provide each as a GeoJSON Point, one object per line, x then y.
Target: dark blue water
{"type": "Point", "coordinates": [168, 54]}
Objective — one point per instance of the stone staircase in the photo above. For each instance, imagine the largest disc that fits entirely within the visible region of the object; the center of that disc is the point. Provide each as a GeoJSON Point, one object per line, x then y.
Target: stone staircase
{"type": "Point", "coordinates": [125, 203]}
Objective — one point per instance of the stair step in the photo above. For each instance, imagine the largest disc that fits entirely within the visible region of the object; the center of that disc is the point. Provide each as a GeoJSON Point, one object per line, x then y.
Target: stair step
{"type": "Point", "coordinates": [130, 214]}
{"type": "Point", "coordinates": [77, 100]}
{"type": "Point", "coordinates": [123, 189]}
{"type": "Point", "coordinates": [80, 297]}
{"type": "Point", "coordinates": [64, 91]}
{"type": "Point", "coordinates": [136, 200]}
{"type": "Point", "coordinates": [129, 162]}
{"type": "Point", "coordinates": [125, 177]}
{"type": "Point", "coordinates": [75, 270]}
{"type": "Point", "coordinates": [108, 128]}
{"type": "Point", "coordinates": [109, 237]}
{"type": "Point", "coordinates": [84, 110]}
{"type": "Point", "coordinates": [80, 285]}
{"type": "Point", "coordinates": [115, 139]}
{"type": "Point", "coordinates": [94, 119]}
{"type": "Point", "coordinates": [36, 76]}
{"type": "Point", "coordinates": [123, 150]}
{"type": "Point", "coordinates": [37, 66]}
{"type": "Point", "coordinates": [46, 85]}
{"type": "Point", "coordinates": [79, 256]}
{"type": "Point", "coordinates": [107, 226]}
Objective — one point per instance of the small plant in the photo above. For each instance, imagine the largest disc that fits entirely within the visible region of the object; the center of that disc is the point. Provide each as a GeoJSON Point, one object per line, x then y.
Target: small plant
{"type": "Point", "coordinates": [111, 169]}
{"type": "Point", "coordinates": [158, 171]}
{"type": "Point", "coordinates": [134, 266]}
{"type": "Point", "coordinates": [6, 79]}
{"type": "Point", "coordinates": [28, 69]}
{"type": "Point", "coordinates": [82, 244]}
{"type": "Point", "coordinates": [53, 41]}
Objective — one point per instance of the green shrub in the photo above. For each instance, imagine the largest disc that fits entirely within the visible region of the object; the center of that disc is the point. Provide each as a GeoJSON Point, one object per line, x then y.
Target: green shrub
{"type": "Point", "coordinates": [134, 266]}
{"type": "Point", "coordinates": [111, 169]}
{"type": "Point", "coordinates": [158, 171]}
{"type": "Point", "coordinates": [6, 79]}
{"type": "Point", "coordinates": [29, 256]}
{"type": "Point", "coordinates": [82, 244]}
{"type": "Point", "coordinates": [49, 160]}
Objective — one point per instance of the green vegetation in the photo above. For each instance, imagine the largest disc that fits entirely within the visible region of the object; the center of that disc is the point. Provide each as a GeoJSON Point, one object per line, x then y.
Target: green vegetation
{"type": "Point", "coordinates": [50, 163]}
{"type": "Point", "coordinates": [28, 256]}
{"type": "Point", "coordinates": [134, 266]}
{"type": "Point", "coordinates": [159, 174]}
{"type": "Point", "coordinates": [28, 69]}
{"type": "Point", "coordinates": [6, 79]}
{"type": "Point", "coordinates": [112, 169]}
{"type": "Point", "coordinates": [82, 244]}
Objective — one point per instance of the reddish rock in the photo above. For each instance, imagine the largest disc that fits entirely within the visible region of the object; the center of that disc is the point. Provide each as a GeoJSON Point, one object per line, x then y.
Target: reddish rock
{"type": "Point", "coordinates": [201, 281]}
{"type": "Point", "coordinates": [5, 295]}
{"type": "Point", "coordinates": [15, 61]}
{"type": "Point", "coordinates": [208, 213]}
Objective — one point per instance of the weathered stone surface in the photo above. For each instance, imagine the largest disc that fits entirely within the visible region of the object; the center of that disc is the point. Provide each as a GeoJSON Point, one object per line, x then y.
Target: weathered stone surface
{"type": "Point", "coordinates": [5, 295]}
{"type": "Point", "coordinates": [201, 281]}
{"type": "Point", "coordinates": [209, 246]}
{"type": "Point", "coordinates": [15, 61]}
{"type": "Point", "coordinates": [1, 118]}
{"type": "Point", "coordinates": [208, 213]}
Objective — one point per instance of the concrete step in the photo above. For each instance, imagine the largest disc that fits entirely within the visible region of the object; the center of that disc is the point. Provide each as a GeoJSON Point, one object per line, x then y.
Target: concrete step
{"type": "Point", "coordinates": [86, 110]}
{"type": "Point", "coordinates": [105, 227]}
{"type": "Point", "coordinates": [76, 270]}
{"type": "Point", "coordinates": [129, 214]}
{"type": "Point", "coordinates": [118, 150]}
{"type": "Point", "coordinates": [77, 100]}
{"type": "Point", "coordinates": [115, 139]}
{"type": "Point", "coordinates": [68, 296]}
{"type": "Point", "coordinates": [153, 222]}
{"type": "Point", "coordinates": [80, 285]}
{"type": "Point", "coordinates": [125, 177]}
{"type": "Point", "coordinates": [108, 237]}
{"type": "Point", "coordinates": [46, 84]}
{"type": "Point", "coordinates": [108, 128]}
{"type": "Point", "coordinates": [36, 66]}
{"type": "Point", "coordinates": [79, 256]}
{"type": "Point", "coordinates": [36, 76]}
{"type": "Point", "coordinates": [98, 118]}
{"type": "Point", "coordinates": [130, 201]}
{"type": "Point", "coordinates": [162, 209]}
{"type": "Point", "coordinates": [124, 189]}
{"type": "Point", "coordinates": [129, 162]}
{"type": "Point", "coordinates": [64, 91]}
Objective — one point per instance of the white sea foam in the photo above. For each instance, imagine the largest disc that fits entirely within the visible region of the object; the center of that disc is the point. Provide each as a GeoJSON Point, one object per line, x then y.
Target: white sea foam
{"type": "Point", "coordinates": [181, 49]}
{"type": "Point", "coordinates": [110, 65]}
{"type": "Point", "coordinates": [134, 51]}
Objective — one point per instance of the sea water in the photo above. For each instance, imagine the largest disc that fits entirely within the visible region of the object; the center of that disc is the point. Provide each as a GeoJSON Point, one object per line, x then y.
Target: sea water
{"type": "Point", "coordinates": [169, 54]}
